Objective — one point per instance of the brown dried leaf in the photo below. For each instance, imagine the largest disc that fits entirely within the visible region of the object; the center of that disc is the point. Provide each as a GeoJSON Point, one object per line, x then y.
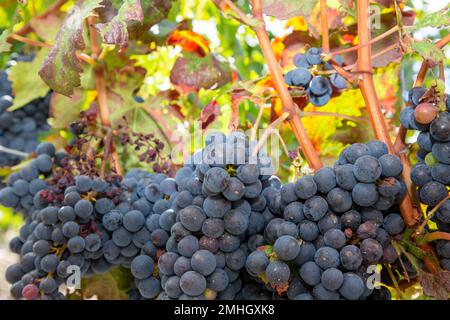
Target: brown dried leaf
{"type": "Point", "coordinates": [436, 285]}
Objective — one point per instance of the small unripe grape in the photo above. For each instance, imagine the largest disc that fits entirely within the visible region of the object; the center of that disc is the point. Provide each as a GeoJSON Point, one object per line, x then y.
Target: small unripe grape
{"type": "Point", "coordinates": [425, 113]}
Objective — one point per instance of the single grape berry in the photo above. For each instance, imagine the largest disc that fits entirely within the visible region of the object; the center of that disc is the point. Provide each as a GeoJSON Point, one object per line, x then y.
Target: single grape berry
{"type": "Point", "coordinates": [425, 112]}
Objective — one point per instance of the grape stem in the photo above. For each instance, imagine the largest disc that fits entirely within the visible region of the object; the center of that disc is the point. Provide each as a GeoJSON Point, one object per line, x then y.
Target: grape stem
{"type": "Point", "coordinates": [35, 43]}
{"type": "Point", "coordinates": [430, 215]}
{"type": "Point", "coordinates": [102, 98]}
{"type": "Point", "coordinates": [288, 104]}
{"type": "Point", "coordinates": [31, 42]}
{"type": "Point", "coordinates": [365, 44]}
{"type": "Point", "coordinates": [262, 140]}
{"type": "Point", "coordinates": [258, 25]}
{"type": "Point", "coordinates": [13, 152]}
{"type": "Point", "coordinates": [324, 26]}
{"type": "Point", "coordinates": [240, 16]}
{"type": "Point", "coordinates": [437, 235]}
{"type": "Point", "coordinates": [366, 84]}
{"type": "Point", "coordinates": [160, 124]}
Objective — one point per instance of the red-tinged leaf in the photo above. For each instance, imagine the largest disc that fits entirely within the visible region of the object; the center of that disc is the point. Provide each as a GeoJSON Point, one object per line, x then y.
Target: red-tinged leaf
{"type": "Point", "coordinates": [190, 73]}
{"type": "Point", "coordinates": [61, 69]}
{"type": "Point", "coordinates": [436, 285]}
{"type": "Point", "coordinates": [115, 31]}
{"type": "Point", "coordinates": [286, 9]}
{"type": "Point", "coordinates": [189, 41]}
{"type": "Point", "coordinates": [309, 10]}
{"type": "Point", "coordinates": [209, 114]}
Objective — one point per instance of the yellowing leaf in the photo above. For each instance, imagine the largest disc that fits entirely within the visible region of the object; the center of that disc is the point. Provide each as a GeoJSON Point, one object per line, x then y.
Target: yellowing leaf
{"type": "Point", "coordinates": [64, 110]}
{"type": "Point", "coordinates": [189, 41]}
{"type": "Point", "coordinates": [436, 19]}
{"type": "Point", "coordinates": [428, 50]}
{"type": "Point", "coordinates": [5, 46]}
{"type": "Point", "coordinates": [26, 83]}
{"type": "Point", "coordinates": [297, 23]}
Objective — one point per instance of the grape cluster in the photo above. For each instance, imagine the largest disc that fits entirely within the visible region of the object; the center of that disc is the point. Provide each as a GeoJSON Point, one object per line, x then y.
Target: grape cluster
{"type": "Point", "coordinates": [61, 233]}
{"type": "Point", "coordinates": [332, 226]}
{"type": "Point", "coordinates": [222, 228]}
{"type": "Point", "coordinates": [19, 130]}
{"type": "Point", "coordinates": [23, 188]}
{"type": "Point", "coordinates": [216, 218]}
{"type": "Point", "coordinates": [319, 88]}
{"type": "Point", "coordinates": [431, 174]}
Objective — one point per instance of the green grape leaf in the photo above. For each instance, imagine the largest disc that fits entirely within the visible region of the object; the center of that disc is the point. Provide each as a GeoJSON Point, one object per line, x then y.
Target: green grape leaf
{"type": "Point", "coordinates": [428, 50]}
{"type": "Point", "coordinates": [155, 10]}
{"type": "Point", "coordinates": [103, 286]}
{"type": "Point", "coordinates": [5, 46]}
{"type": "Point", "coordinates": [436, 285]}
{"type": "Point", "coordinates": [436, 19]}
{"type": "Point", "coordinates": [61, 69]}
{"type": "Point", "coordinates": [65, 110]}
{"type": "Point", "coordinates": [26, 83]}
{"type": "Point", "coordinates": [115, 31]}
{"type": "Point", "coordinates": [286, 9]}
{"type": "Point", "coordinates": [191, 72]}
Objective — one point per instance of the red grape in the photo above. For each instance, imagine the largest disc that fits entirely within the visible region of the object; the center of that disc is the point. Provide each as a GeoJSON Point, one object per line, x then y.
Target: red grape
{"type": "Point", "coordinates": [30, 292]}
{"type": "Point", "coordinates": [425, 113]}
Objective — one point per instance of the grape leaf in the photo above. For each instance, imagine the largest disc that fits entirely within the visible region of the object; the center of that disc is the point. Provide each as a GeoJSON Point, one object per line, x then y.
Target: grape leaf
{"type": "Point", "coordinates": [104, 286]}
{"type": "Point", "coordinates": [26, 83]}
{"type": "Point", "coordinates": [428, 50]}
{"type": "Point", "coordinates": [46, 27]}
{"type": "Point", "coordinates": [436, 19]}
{"type": "Point", "coordinates": [286, 9]}
{"type": "Point", "coordinates": [436, 285]}
{"type": "Point", "coordinates": [61, 69]}
{"type": "Point", "coordinates": [65, 110]}
{"type": "Point", "coordinates": [115, 31]}
{"type": "Point", "coordinates": [209, 114]}
{"type": "Point", "coordinates": [191, 72]}
{"type": "Point", "coordinates": [5, 46]}
{"type": "Point", "coordinates": [155, 10]}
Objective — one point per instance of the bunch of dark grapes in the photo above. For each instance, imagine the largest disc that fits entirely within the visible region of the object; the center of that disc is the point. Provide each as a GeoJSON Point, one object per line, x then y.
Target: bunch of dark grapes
{"type": "Point", "coordinates": [141, 230]}
{"type": "Point", "coordinates": [319, 88]}
{"type": "Point", "coordinates": [23, 190]}
{"type": "Point", "coordinates": [20, 129]}
{"type": "Point", "coordinates": [60, 234]}
{"type": "Point", "coordinates": [333, 225]}
{"type": "Point", "coordinates": [222, 228]}
{"type": "Point", "coordinates": [429, 113]}
{"type": "Point", "coordinates": [223, 201]}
